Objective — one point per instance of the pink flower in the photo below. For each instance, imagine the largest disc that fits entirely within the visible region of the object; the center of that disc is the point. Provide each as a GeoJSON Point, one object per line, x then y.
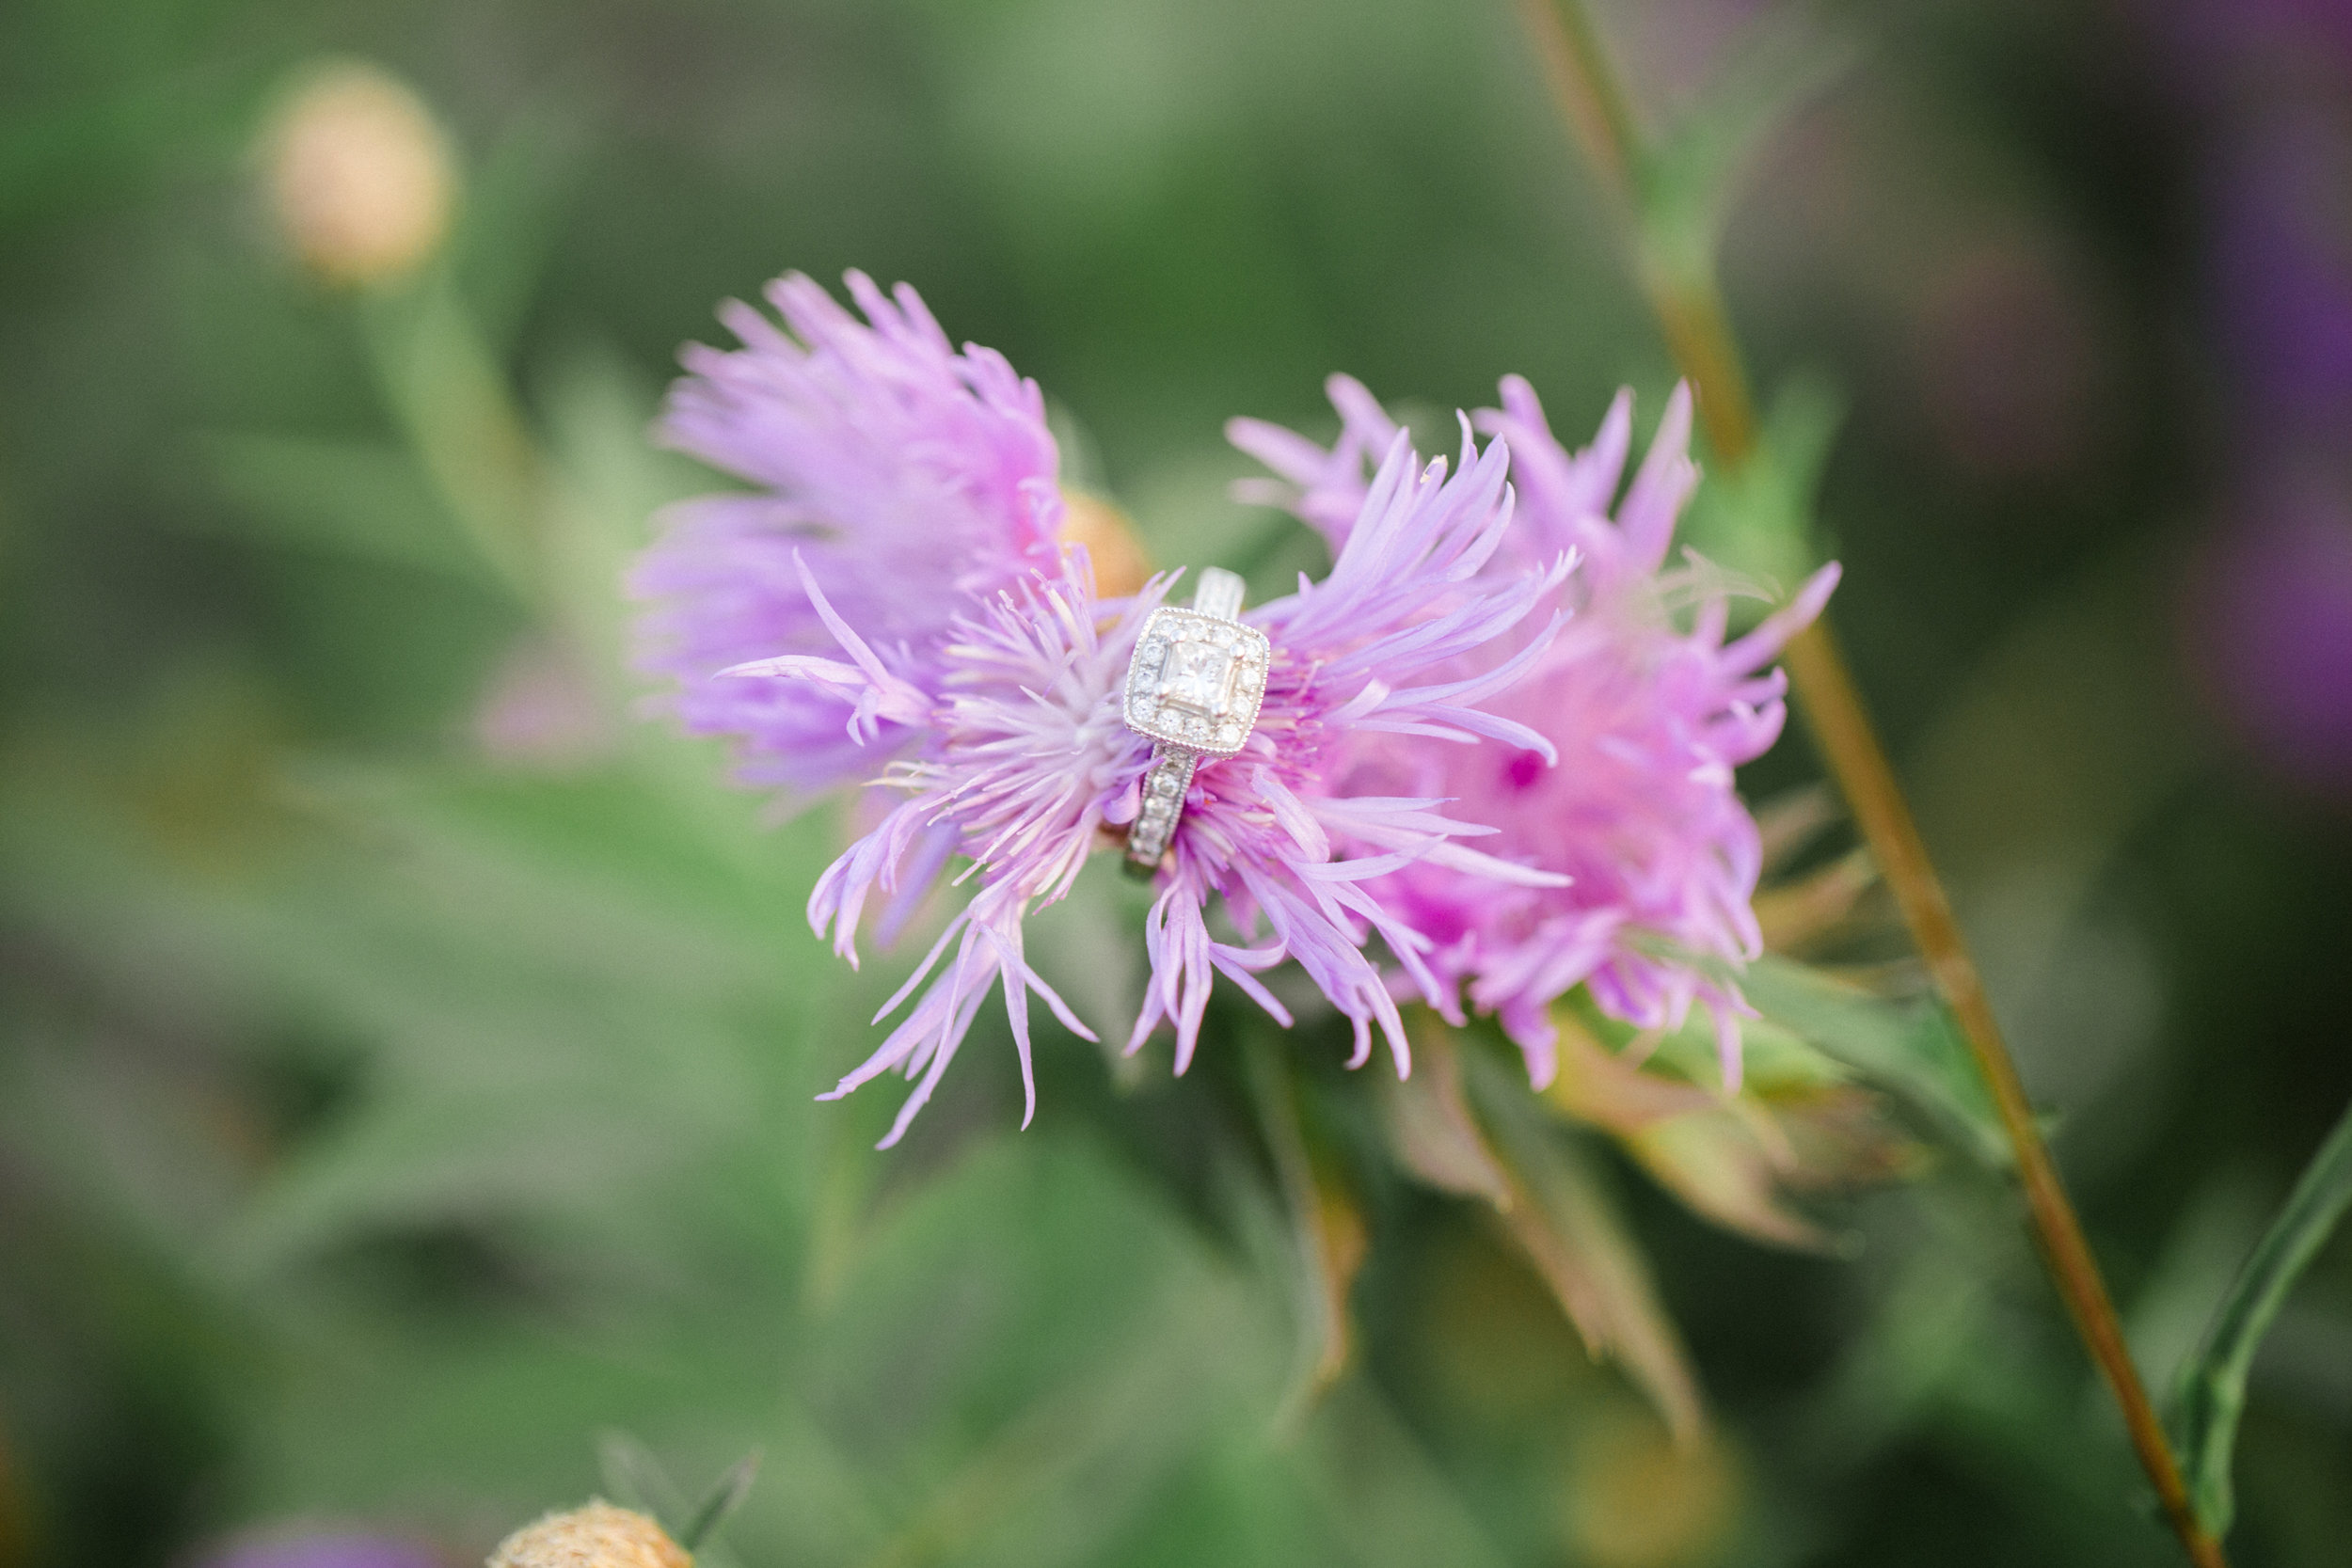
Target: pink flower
{"type": "Point", "coordinates": [1647, 707]}
{"type": "Point", "coordinates": [908, 478]}
{"type": "Point", "coordinates": [892, 605]}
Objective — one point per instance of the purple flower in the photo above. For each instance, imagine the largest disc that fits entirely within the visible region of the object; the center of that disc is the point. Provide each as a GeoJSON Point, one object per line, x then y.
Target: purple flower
{"type": "Point", "coordinates": [1025, 757]}
{"type": "Point", "coordinates": [893, 606]}
{"type": "Point", "coordinates": [336, 1549]}
{"type": "Point", "coordinates": [1647, 707]}
{"type": "Point", "coordinates": [2270, 624]}
{"type": "Point", "coordinates": [906, 476]}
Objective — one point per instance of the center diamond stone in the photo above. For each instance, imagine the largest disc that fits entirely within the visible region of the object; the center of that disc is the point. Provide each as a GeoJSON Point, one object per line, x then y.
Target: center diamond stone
{"type": "Point", "coordinates": [1197, 677]}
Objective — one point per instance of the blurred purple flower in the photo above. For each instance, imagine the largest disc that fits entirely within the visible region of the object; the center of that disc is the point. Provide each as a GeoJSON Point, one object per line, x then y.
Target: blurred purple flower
{"type": "Point", "coordinates": [323, 1550]}
{"type": "Point", "coordinates": [908, 478]}
{"type": "Point", "coordinates": [1026, 756]}
{"type": "Point", "coordinates": [1648, 719]}
{"type": "Point", "coordinates": [2271, 629]}
{"type": "Point", "coordinates": [540, 710]}
{"type": "Point", "coordinates": [2268, 600]}
{"type": "Point", "coordinates": [2282, 265]}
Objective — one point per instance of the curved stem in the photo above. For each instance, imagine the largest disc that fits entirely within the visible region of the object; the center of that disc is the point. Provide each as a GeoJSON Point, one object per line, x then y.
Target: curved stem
{"type": "Point", "coordinates": [1841, 729]}
{"type": "Point", "coordinates": [1697, 330]}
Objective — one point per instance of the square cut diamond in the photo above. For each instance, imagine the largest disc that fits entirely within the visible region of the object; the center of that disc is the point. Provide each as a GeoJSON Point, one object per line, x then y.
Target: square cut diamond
{"type": "Point", "coordinates": [1196, 681]}
{"type": "Point", "coordinates": [1197, 677]}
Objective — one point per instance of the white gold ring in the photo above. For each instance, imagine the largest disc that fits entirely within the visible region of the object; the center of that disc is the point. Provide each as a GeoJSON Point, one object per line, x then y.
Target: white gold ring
{"type": "Point", "coordinates": [1194, 686]}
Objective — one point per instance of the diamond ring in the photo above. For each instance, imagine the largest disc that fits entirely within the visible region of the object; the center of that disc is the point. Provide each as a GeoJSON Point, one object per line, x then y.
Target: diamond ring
{"type": "Point", "coordinates": [1194, 686]}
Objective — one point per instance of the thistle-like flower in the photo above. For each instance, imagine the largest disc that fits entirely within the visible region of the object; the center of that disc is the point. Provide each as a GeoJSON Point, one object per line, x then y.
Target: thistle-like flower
{"type": "Point", "coordinates": [1647, 705]}
{"type": "Point", "coordinates": [900, 475]}
{"type": "Point", "coordinates": [1025, 757]}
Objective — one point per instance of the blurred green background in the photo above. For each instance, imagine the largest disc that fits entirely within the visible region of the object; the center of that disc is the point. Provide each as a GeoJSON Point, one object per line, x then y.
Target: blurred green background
{"type": "Point", "coordinates": [407, 1048]}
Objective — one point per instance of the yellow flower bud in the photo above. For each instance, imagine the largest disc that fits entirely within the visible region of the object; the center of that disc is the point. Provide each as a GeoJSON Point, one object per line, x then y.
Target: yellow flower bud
{"type": "Point", "coordinates": [597, 1536]}
{"type": "Point", "coordinates": [1120, 567]}
{"type": "Point", "coordinates": [360, 177]}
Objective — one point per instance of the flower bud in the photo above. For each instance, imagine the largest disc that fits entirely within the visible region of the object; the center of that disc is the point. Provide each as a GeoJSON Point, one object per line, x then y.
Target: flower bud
{"type": "Point", "coordinates": [1120, 567]}
{"type": "Point", "coordinates": [597, 1536]}
{"type": "Point", "coordinates": [360, 177]}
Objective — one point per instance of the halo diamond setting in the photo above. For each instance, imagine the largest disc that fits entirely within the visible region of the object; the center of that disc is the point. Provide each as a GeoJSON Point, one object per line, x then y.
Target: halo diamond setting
{"type": "Point", "coordinates": [1196, 681]}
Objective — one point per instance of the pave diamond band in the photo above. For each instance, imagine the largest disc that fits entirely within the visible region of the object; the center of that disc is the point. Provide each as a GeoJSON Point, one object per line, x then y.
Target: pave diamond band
{"type": "Point", "coordinates": [1194, 686]}
{"type": "Point", "coordinates": [1163, 802]}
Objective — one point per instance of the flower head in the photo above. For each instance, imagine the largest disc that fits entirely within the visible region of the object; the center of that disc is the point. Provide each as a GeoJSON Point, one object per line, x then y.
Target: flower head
{"type": "Point", "coordinates": [1648, 707]}
{"type": "Point", "coordinates": [597, 1536]}
{"type": "Point", "coordinates": [360, 175]}
{"type": "Point", "coordinates": [901, 476]}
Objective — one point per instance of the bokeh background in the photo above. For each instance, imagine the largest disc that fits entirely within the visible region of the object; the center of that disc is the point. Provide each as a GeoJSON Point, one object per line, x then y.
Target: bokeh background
{"type": "Point", "coordinates": [407, 1049]}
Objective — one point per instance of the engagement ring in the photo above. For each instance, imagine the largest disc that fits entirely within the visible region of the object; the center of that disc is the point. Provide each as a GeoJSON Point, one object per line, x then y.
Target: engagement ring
{"type": "Point", "coordinates": [1194, 686]}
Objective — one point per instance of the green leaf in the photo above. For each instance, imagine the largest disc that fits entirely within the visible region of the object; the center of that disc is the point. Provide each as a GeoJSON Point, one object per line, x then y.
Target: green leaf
{"type": "Point", "coordinates": [1327, 1226]}
{"type": "Point", "coordinates": [1722, 1171]}
{"type": "Point", "coordinates": [1909, 1050]}
{"type": "Point", "coordinates": [1429, 1124]}
{"type": "Point", "coordinates": [1800, 1123]}
{"type": "Point", "coordinates": [1756, 519]}
{"type": "Point", "coordinates": [1563, 1219]}
{"type": "Point", "coordinates": [636, 1479]}
{"type": "Point", "coordinates": [725, 1495]}
{"type": "Point", "coordinates": [1688, 177]}
{"type": "Point", "coordinates": [2213, 1392]}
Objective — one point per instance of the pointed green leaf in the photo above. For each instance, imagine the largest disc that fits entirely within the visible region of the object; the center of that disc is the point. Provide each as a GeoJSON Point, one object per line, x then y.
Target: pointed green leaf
{"type": "Point", "coordinates": [1909, 1049]}
{"type": "Point", "coordinates": [1722, 1171]}
{"type": "Point", "coordinates": [725, 1495]}
{"type": "Point", "coordinates": [2213, 1392]}
{"type": "Point", "coordinates": [636, 1479]}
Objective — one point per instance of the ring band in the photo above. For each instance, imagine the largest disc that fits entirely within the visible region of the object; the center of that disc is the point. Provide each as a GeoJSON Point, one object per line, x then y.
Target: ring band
{"type": "Point", "coordinates": [1194, 686]}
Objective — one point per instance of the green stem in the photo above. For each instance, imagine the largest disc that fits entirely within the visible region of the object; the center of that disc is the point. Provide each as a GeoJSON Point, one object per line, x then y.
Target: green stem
{"type": "Point", "coordinates": [454, 404]}
{"type": "Point", "coordinates": [1689, 307]}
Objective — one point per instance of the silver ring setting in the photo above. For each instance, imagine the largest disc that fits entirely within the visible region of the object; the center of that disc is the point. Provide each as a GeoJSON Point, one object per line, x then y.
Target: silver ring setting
{"type": "Point", "coordinates": [1194, 686]}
